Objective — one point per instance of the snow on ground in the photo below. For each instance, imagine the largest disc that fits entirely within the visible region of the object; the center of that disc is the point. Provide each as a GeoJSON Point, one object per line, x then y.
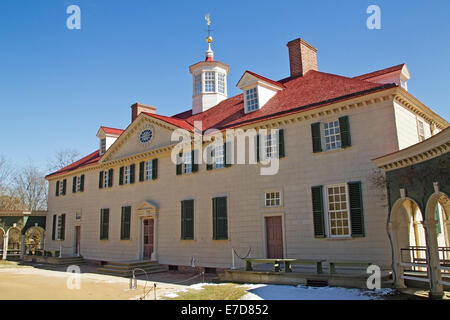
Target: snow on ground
{"type": "Point", "coordinates": [281, 292]}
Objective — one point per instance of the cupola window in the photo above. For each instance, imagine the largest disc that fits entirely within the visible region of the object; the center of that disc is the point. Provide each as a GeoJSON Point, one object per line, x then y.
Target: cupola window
{"type": "Point", "coordinates": [221, 82]}
{"type": "Point", "coordinates": [210, 81]}
{"type": "Point", "coordinates": [198, 84]}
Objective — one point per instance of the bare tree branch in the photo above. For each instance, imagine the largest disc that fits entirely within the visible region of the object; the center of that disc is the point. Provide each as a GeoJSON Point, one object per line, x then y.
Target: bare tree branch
{"type": "Point", "coordinates": [30, 188]}
{"type": "Point", "coordinates": [62, 159]}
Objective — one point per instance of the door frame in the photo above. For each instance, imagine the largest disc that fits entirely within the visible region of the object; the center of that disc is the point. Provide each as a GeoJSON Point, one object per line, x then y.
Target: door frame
{"type": "Point", "coordinates": [142, 237]}
{"type": "Point", "coordinates": [264, 233]}
{"type": "Point", "coordinates": [77, 240]}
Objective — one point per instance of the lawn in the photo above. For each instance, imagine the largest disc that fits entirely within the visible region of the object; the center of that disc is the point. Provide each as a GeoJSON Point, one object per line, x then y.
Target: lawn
{"type": "Point", "coordinates": [227, 291]}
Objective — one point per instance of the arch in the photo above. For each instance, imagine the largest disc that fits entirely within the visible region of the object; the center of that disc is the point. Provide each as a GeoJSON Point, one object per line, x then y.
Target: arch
{"type": "Point", "coordinates": [33, 243]}
{"type": "Point", "coordinates": [444, 201]}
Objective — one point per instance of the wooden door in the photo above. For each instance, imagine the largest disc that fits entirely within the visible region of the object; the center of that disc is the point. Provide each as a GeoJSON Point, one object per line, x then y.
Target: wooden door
{"type": "Point", "coordinates": [274, 236]}
{"type": "Point", "coordinates": [148, 238]}
{"type": "Point", "coordinates": [77, 239]}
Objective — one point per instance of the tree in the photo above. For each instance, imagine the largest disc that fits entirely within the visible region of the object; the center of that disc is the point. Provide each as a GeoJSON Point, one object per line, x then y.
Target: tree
{"type": "Point", "coordinates": [62, 159]}
{"type": "Point", "coordinates": [4, 175]}
{"type": "Point", "coordinates": [30, 188]}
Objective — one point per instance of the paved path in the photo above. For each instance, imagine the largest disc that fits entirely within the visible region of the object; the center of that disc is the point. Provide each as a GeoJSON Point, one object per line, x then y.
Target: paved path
{"type": "Point", "coordinates": [30, 283]}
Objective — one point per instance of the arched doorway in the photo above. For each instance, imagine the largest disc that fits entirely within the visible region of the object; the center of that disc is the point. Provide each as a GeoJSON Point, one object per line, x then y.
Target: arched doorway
{"type": "Point", "coordinates": [34, 240]}
{"type": "Point", "coordinates": [2, 241]}
{"type": "Point", "coordinates": [408, 240]}
{"type": "Point", "coordinates": [13, 243]}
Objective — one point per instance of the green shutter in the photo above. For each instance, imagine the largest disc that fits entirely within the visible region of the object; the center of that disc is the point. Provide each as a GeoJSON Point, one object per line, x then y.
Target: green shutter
{"type": "Point", "coordinates": [179, 164]}
{"type": "Point", "coordinates": [187, 220]}
{"type": "Point", "coordinates": [220, 223]}
{"type": "Point", "coordinates": [318, 211]}
{"type": "Point", "coordinates": [100, 180]}
{"type": "Point", "coordinates": [194, 161]}
{"type": "Point", "coordinates": [110, 177]}
{"type": "Point", "coordinates": [121, 176]}
{"type": "Point", "coordinates": [316, 141]}
{"type": "Point", "coordinates": [228, 154]}
{"type": "Point", "coordinates": [74, 185]}
{"type": "Point", "coordinates": [82, 183]}
{"type": "Point", "coordinates": [281, 152]}
{"type": "Point", "coordinates": [209, 161]}
{"type": "Point", "coordinates": [57, 189]}
{"type": "Point", "coordinates": [104, 224]}
{"type": "Point", "coordinates": [125, 223]}
{"type": "Point", "coordinates": [132, 173]}
{"type": "Point", "coordinates": [64, 187]}
{"type": "Point", "coordinates": [141, 171]}
{"type": "Point", "coordinates": [258, 148]}
{"type": "Point", "coordinates": [54, 227]}
{"type": "Point", "coordinates": [356, 209]}
{"type": "Point", "coordinates": [63, 227]}
{"type": "Point", "coordinates": [344, 127]}
{"type": "Point", "coordinates": [154, 169]}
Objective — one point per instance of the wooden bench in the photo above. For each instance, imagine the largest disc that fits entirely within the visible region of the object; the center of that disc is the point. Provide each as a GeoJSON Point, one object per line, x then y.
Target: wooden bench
{"type": "Point", "coordinates": [318, 263]}
{"type": "Point", "coordinates": [334, 264]}
{"type": "Point", "coordinates": [276, 264]}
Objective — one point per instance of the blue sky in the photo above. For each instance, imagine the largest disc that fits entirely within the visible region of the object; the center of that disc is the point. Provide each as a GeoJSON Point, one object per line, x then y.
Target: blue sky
{"type": "Point", "coordinates": [57, 86]}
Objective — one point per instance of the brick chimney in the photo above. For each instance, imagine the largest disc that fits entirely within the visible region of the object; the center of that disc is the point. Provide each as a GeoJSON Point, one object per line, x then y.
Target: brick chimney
{"type": "Point", "coordinates": [138, 108]}
{"type": "Point", "coordinates": [302, 57]}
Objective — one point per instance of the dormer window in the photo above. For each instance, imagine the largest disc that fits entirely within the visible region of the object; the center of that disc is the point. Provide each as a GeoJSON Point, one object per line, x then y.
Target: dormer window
{"type": "Point", "coordinates": [251, 99]}
{"type": "Point", "coordinates": [102, 146]}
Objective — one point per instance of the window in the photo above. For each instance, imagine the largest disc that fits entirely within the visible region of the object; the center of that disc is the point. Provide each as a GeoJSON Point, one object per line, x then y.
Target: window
{"type": "Point", "coordinates": [270, 146]}
{"type": "Point", "coordinates": [61, 188]}
{"type": "Point", "coordinates": [221, 82]}
{"type": "Point", "coordinates": [219, 157]}
{"type": "Point", "coordinates": [126, 174]}
{"type": "Point", "coordinates": [420, 130]}
{"type": "Point", "coordinates": [103, 146]}
{"type": "Point", "coordinates": [198, 84]}
{"type": "Point", "coordinates": [77, 215]}
{"type": "Point", "coordinates": [210, 81]}
{"type": "Point", "coordinates": [78, 184]}
{"type": "Point", "coordinates": [104, 224]}
{"type": "Point", "coordinates": [125, 223]}
{"type": "Point", "coordinates": [105, 179]}
{"type": "Point", "coordinates": [251, 96]}
{"type": "Point", "coordinates": [332, 135]}
{"type": "Point", "coordinates": [187, 162]}
{"type": "Point", "coordinates": [187, 220]}
{"type": "Point", "coordinates": [148, 170]}
{"type": "Point", "coordinates": [338, 213]}
{"type": "Point", "coordinates": [272, 199]}
{"type": "Point", "coordinates": [59, 227]}
{"type": "Point", "coordinates": [220, 223]}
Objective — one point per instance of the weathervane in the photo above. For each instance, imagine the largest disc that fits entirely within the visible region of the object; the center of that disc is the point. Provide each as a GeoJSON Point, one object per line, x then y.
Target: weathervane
{"type": "Point", "coordinates": [208, 23]}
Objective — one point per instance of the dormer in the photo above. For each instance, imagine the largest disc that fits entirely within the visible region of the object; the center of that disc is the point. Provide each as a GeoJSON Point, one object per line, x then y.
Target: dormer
{"type": "Point", "coordinates": [257, 90]}
{"type": "Point", "coordinates": [107, 137]}
{"type": "Point", "coordinates": [397, 74]}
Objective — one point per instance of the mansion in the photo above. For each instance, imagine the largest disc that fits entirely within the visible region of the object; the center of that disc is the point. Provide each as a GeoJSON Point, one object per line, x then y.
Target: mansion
{"type": "Point", "coordinates": [129, 200]}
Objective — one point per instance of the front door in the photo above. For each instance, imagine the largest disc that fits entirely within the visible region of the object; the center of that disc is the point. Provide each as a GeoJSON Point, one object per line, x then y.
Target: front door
{"type": "Point", "coordinates": [274, 236]}
{"type": "Point", "coordinates": [148, 238]}
{"type": "Point", "coordinates": [77, 240]}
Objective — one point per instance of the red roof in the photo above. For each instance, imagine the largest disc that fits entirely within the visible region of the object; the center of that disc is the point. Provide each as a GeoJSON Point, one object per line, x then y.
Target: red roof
{"type": "Point", "coordinates": [379, 72]}
{"type": "Point", "coordinates": [313, 90]}
{"type": "Point", "coordinates": [90, 159]}
{"type": "Point", "coordinates": [275, 83]}
{"type": "Point", "coordinates": [301, 93]}
{"type": "Point", "coordinates": [114, 131]}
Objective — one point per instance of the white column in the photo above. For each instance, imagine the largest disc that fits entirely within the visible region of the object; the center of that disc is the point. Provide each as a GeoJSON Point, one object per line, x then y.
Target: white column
{"type": "Point", "coordinates": [434, 272]}
{"type": "Point", "coordinates": [155, 237]}
{"type": "Point", "coordinates": [22, 246]}
{"type": "Point", "coordinates": [5, 246]}
{"type": "Point", "coordinates": [398, 269]}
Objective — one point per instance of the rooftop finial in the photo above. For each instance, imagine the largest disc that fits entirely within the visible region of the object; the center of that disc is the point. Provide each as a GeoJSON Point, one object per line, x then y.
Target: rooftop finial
{"type": "Point", "coordinates": [209, 39]}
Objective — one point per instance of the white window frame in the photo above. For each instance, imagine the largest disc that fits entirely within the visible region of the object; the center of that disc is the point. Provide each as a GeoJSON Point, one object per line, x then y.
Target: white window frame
{"type": "Point", "coordinates": [251, 99]}
{"type": "Point", "coordinates": [148, 170]}
{"type": "Point", "coordinates": [61, 187]}
{"type": "Point", "coordinates": [58, 227]}
{"type": "Point", "coordinates": [210, 82]}
{"type": "Point", "coordinates": [328, 211]}
{"type": "Point", "coordinates": [187, 163]}
{"type": "Point", "coordinates": [421, 130]}
{"type": "Point", "coordinates": [219, 157]}
{"type": "Point", "coordinates": [127, 175]}
{"type": "Point", "coordinates": [330, 138]}
{"type": "Point", "coordinates": [270, 146]}
{"type": "Point", "coordinates": [276, 199]}
{"type": "Point", "coordinates": [198, 84]}
{"type": "Point", "coordinates": [78, 215]}
{"type": "Point", "coordinates": [221, 82]}
{"type": "Point", "coordinates": [105, 179]}
{"type": "Point", "coordinates": [78, 184]}
{"type": "Point", "coordinates": [102, 146]}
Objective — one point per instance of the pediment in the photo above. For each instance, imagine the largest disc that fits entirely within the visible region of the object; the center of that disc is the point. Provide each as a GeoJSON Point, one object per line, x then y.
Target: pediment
{"type": "Point", "coordinates": [144, 134]}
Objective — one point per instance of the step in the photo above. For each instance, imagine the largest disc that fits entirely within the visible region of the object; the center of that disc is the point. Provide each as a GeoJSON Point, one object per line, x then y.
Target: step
{"type": "Point", "coordinates": [128, 267]}
{"type": "Point", "coordinates": [129, 273]}
{"type": "Point", "coordinates": [131, 263]}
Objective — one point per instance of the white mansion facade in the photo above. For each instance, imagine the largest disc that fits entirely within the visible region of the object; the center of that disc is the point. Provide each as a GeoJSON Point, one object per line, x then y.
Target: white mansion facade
{"type": "Point", "coordinates": [130, 201]}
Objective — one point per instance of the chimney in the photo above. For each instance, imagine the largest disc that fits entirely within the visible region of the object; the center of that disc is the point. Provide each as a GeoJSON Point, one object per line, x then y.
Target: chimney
{"type": "Point", "coordinates": [302, 57]}
{"type": "Point", "coordinates": [138, 108]}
